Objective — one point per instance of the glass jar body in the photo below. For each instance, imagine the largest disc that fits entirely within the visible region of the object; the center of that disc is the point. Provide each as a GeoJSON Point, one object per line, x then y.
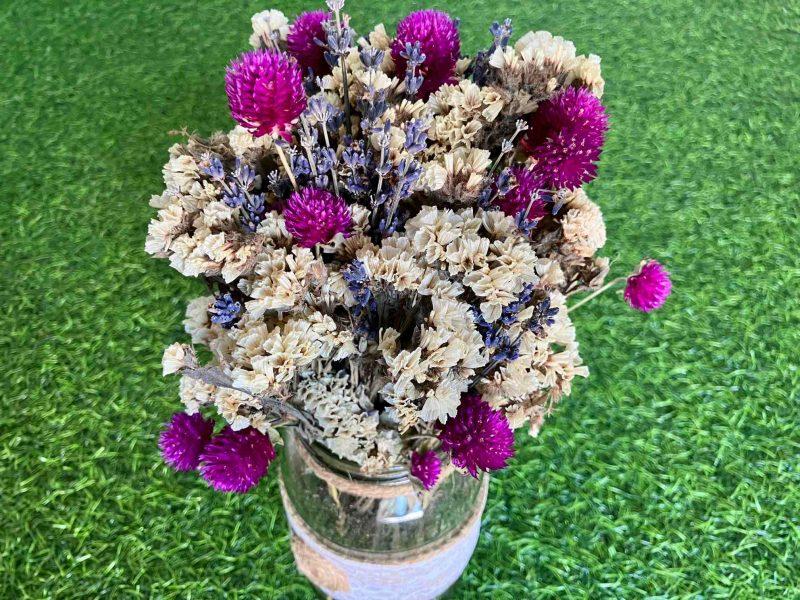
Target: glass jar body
{"type": "Point", "coordinates": [363, 536]}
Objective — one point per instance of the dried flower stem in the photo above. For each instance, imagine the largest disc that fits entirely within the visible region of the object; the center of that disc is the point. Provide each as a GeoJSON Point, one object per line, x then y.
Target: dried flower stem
{"type": "Point", "coordinates": [593, 295]}
{"type": "Point", "coordinates": [286, 167]}
{"type": "Point", "coordinates": [215, 376]}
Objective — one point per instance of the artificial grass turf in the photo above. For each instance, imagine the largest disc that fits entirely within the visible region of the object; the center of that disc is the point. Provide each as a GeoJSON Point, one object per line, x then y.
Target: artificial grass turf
{"type": "Point", "coordinates": [672, 472]}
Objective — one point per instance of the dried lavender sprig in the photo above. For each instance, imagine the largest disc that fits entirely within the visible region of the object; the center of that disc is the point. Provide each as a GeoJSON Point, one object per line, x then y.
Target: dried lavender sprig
{"type": "Point", "coordinates": [340, 40]}
{"type": "Point", "coordinates": [308, 140]}
{"type": "Point", "coordinates": [502, 34]}
{"type": "Point", "coordinates": [417, 135]}
{"type": "Point", "coordinates": [225, 311]}
{"type": "Point", "coordinates": [414, 58]}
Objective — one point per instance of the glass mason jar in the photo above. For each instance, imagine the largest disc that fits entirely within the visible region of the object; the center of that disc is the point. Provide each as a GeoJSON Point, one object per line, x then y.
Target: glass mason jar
{"type": "Point", "coordinates": [371, 536]}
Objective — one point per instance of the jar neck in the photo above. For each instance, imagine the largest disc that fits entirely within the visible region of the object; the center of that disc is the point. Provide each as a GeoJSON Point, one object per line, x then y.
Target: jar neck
{"type": "Point", "coordinates": [392, 476]}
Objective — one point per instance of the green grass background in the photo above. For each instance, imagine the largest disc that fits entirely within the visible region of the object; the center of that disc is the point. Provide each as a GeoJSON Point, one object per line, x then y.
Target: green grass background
{"type": "Point", "coordinates": [673, 471]}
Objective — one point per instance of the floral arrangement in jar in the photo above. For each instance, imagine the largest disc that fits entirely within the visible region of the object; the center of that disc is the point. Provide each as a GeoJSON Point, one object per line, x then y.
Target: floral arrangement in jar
{"type": "Point", "coordinates": [390, 237]}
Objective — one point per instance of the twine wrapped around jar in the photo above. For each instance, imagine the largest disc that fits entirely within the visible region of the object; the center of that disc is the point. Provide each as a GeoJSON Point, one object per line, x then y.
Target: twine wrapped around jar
{"type": "Point", "coordinates": [365, 537]}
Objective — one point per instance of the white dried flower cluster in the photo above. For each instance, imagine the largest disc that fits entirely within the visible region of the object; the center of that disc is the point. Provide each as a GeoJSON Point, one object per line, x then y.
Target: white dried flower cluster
{"type": "Point", "coordinates": [494, 268]}
{"type": "Point", "coordinates": [537, 65]}
{"type": "Point", "coordinates": [583, 226]}
{"type": "Point", "coordinates": [364, 269]}
{"type": "Point", "coordinates": [270, 27]}
{"type": "Point", "coordinates": [433, 375]}
{"type": "Point", "coordinates": [461, 113]}
{"type": "Point", "coordinates": [538, 368]}
{"type": "Point", "coordinates": [350, 424]}
{"type": "Point", "coordinates": [196, 229]}
{"type": "Point", "coordinates": [267, 353]}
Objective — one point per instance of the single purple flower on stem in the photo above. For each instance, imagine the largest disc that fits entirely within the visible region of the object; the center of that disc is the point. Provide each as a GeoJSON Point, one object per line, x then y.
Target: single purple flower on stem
{"type": "Point", "coordinates": [478, 437]}
{"type": "Point", "coordinates": [528, 191]}
{"type": "Point", "coordinates": [265, 92]}
{"type": "Point", "coordinates": [649, 287]}
{"type": "Point", "coordinates": [314, 216]}
{"type": "Point", "coordinates": [566, 137]}
{"type": "Point", "coordinates": [426, 466]}
{"type": "Point", "coordinates": [439, 41]}
{"type": "Point", "coordinates": [302, 41]}
{"type": "Point", "coordinates": [235, 461]}
{"type": "Point", "coordinates": [183, 440]}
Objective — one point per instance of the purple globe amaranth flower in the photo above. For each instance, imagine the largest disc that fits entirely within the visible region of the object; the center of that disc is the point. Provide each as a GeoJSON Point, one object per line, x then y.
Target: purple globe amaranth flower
{"type": "Point", "coordinates": [517, 198]}
{"type": "Point", "coordinates": [235, 461]}
{"type": "Point", "coordinates": [649, 287]}
{"type": "Point", "coordinates": [301, 41]}
{"type": "Point", "coordinates": [314, 216]}
{"type": "Point", "coordinates": [426, 466]}
{"type": "Point", "coordinates": [478, 437]}
{"type": "Point", "coordinates": [183, 440]}
{"type": "Point", "coordinates": [439, 41]}
{"type": "Point", "coordinates": [265, 92]}
{"type": "Point", "coordinates": [566, 137]}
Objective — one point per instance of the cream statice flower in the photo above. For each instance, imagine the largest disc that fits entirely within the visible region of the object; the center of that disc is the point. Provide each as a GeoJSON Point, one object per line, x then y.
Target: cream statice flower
{"type": "Point", "coordinates": [583, 226]}
{"type": "Point", "coordinates": [348, 420]}
{"type": "Point", "coordinates": [269, 354]}
{"type": "Point", "coordinates": [176, 358]}
{"type": "Point", "coordinates": [270, 27]}
{"type": "Point", "coordinates": [282, 280]}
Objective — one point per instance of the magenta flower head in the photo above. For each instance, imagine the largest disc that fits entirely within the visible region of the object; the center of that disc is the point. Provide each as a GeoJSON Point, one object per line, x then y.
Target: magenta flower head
{"type": "Point", "coordinates": [438, 37]}
{"type": "Point", "coordinates": [426, 466]}
{"type": "Point", "coordinates": [314, 216]}
{"type": "Point", "coordinates": [517, 199]}
{"type": "Point", "coordinates": [302, 41]}
{"type": "Point", "coordinates": [649, 287]}
{"type": "Point", "coordinates": [478, 437]}
{"type": "Point", "coordinates": [235, 461]}
{"type": "Point", "coordinates": [566, 137]}
{"type": "Point", "coordinates": [265, 92]}
{"type": "Point", "coordinates": [183, 440]}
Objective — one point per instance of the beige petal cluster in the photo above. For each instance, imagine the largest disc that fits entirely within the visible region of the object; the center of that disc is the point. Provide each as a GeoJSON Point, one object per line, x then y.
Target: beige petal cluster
{"type": "Point", "coordinates": [282, 280]}
{"type": "Point", "coordinates": [433, 375]}
{"type": "Point", "coordinates": [583, 226]}
{"type": "Point", "coordinates": [243, 143]}
{"type": "Point", "coordinates": [197, 232]}
{"type": "Point", "coordinates": [269, 28]}
{"type": "Point", "coordinates": [537, 66]}
{"type": "Point", "coordinates": [460, 113]}
{"type": "Point", "coordinates": [350, 424]}
{"type": "Point", "coordinates": [544, 371]}
{"type": "Point", "coordinates": [267, 355]}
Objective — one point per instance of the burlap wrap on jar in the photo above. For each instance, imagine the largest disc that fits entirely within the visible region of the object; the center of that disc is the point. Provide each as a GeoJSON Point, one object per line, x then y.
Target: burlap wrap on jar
{"type": "Point", "coordinates": [363, 537]}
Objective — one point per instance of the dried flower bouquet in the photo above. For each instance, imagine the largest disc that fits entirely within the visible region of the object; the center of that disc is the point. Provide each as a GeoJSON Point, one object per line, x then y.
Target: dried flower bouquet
{"type": "Point", "coordinates": [389, 236]}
